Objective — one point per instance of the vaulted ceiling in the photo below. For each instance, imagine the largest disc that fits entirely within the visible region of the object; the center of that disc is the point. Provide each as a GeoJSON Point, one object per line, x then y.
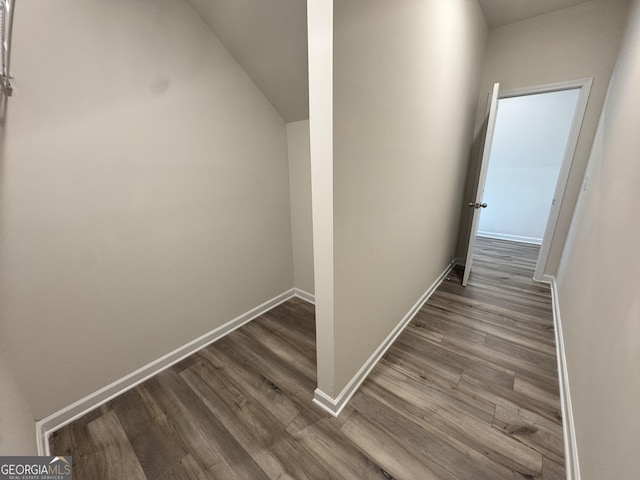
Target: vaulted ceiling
{"type": "Point", "coordinates": [268, 38]}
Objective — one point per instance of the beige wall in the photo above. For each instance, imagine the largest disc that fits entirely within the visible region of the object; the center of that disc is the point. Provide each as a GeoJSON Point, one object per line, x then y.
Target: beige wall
{"type": "Point", "coordinates": [598, 284]}
{"type": "Point", "coordinates": [406, 77]}
{"type": "Point", "coordinates": [573, 43]}
{"type": "Point", "coordinates": [300, 194]}
{"type": "Point", "coordinates": [144, 193]}
{"type": "Point", "coordinates": [320, 32]}
{"type": "Point", "coordinates": [17, 426]}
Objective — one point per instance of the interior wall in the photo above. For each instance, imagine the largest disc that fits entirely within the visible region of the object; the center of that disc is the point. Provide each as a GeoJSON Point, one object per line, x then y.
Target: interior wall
{"type": "Point", "coordinates": [528, 147]}
{"type": "Point", "coordinates": [17, 425]}
{"type": "Point", "coordinates": [320, 34]}
{"type": "Point", "coordinates": [300, 193]}
{"type": "Point", "coordinates": [406, 78]}
{"type": "Point", "coordinates": [144, 193]}
{"type": "Point", "coordinates": [597, 283]}
{"type": "Point", "coordinates": [573, 43]}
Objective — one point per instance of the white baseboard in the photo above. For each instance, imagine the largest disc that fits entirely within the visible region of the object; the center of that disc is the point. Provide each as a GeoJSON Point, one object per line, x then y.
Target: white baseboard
{"type": "Point", "coordinates": [327, 403]}
{"type": "Point", "coordinates": [335, 405]}
{"type": "Point", "coordinates": [57, 420]}
{"type": "Point", "coordinates": [306, 296]}
{"type": "Point", "coordinates": [511, 238]}
{"type": "Point", "coordinates": [570, 443]}
{"type": "Point", "coordinates": [548, 279]}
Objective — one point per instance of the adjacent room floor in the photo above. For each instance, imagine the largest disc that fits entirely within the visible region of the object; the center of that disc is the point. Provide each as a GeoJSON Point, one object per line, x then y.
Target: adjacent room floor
{"type": "Point", "coordinates": [468, 391]}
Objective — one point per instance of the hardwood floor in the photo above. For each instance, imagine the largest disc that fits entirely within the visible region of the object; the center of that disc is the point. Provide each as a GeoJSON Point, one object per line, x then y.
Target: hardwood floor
{"type": "Point", "coordinates": [468, 391]}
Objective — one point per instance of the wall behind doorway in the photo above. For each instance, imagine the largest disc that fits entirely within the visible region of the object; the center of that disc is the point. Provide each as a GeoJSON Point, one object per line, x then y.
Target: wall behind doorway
{"type": "Point", "coordinates": [528, 147]}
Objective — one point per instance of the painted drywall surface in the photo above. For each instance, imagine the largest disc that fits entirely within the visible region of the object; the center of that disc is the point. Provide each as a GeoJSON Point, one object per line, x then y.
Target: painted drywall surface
{"type": "Point", "coordinates": [527, 151]}
{"type": "Point", "coordinates": [499, 12]}
{"type": "Point", "coordinates": [405, 78]}
{"type": "Point", "coordinates": [320, 35]}
{"type": "Point", "coordinates": [17, 425]}
{"type": "Point", "coordinates": [576, 42]}
{"type": "Point", "coordinates": [144, 189]}
{"type": "Point", "coordinates": [269, 40]}
{"type": "Point", "coordinates": [300, 194]}
{"type": "Point", "coordinates": [598, 284]}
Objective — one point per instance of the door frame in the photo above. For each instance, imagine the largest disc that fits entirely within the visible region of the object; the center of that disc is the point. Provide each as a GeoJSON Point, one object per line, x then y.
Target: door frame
{"type": "Point", "coordinates": [584, 84]}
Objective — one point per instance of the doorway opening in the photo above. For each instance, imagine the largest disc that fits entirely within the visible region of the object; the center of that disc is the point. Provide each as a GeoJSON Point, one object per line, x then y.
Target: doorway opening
{"type": "Point", "coordinates": [531, 140]}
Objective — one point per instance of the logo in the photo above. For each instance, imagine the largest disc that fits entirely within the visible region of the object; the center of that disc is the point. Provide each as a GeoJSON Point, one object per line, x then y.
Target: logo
{"type": "Point", "coordinates": [35, 468]}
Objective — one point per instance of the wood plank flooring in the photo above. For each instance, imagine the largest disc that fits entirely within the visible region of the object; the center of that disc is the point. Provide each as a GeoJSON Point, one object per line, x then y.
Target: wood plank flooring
{"type": "Point", "coordinates": [468, 391]}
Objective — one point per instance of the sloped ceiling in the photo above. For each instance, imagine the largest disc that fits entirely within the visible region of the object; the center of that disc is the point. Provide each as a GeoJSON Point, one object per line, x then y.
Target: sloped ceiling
{"type": "Point", "coordinates": [268, 38]}
{"type": "Point", "coordinates": [501, 12]}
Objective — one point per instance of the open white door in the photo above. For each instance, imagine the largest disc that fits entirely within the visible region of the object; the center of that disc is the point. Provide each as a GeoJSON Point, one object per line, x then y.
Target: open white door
{"type": "Point", "coordinates": [477, 204]}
